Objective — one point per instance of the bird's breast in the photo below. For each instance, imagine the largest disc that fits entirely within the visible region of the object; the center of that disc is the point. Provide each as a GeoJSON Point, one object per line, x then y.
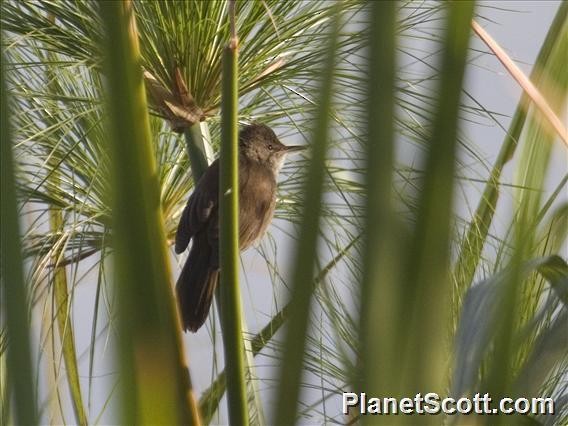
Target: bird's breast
{"type": "Point", "coordinates": [257, 199]}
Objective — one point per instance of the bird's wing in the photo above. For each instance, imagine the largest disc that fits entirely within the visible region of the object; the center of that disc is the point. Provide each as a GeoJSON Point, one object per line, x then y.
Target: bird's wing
{"type": "Point", "coordinates": [200, 206]}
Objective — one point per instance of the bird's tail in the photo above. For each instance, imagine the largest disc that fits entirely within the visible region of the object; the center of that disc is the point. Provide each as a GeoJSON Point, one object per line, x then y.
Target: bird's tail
{"type": "Point", "coordinates": [196, 284]}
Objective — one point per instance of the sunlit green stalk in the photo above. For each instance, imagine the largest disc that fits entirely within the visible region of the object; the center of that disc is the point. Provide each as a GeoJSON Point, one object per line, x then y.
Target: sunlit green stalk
{"type": "Point", "coordinates": [379, 288]}
{"type": "Point", "coordinates": [155, 381]}
{"type": "Point", "coordinates": [15, 305]}
{"type": "Point", "coordinates": [306, 250]}
{"type": "Point", "coordinates": [231, 317]}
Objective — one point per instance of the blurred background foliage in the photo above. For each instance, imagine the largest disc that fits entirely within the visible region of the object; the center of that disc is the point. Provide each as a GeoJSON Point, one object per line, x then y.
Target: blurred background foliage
{"type": "Point", "coordinates": [445, 300]}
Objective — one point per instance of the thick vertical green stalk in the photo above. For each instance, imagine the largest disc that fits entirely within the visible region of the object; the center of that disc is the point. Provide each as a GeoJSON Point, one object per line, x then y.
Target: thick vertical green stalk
{"type": "Point", "coordinates": [15, 306]}
{"type": "Point", "coordinates": [231, 317]}
{"type": "Point", "coordinates": [426, 283]}
{"type": "Point", "coordinates": [380, 292]}
{"type": "Point", "coordinates": [306, 249]}
{"type": "Point", "coordinates": [474, 239]}
{"type": "Point", "coordinates": [156, 387]}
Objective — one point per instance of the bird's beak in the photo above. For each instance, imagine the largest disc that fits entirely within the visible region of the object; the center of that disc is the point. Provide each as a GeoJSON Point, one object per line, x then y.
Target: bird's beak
{"type": "Point", "coordinates": [295, 148]}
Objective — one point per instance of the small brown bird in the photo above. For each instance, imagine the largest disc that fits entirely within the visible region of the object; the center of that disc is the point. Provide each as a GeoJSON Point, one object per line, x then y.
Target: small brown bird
{"type": "Point", "coordinates": [261, 156]}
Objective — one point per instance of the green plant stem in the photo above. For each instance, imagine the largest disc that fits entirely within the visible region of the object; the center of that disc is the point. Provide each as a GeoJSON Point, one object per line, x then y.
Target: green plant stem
{"type": "Point", "coordinates": [196, 150]}
{"type": "Point", "coordinates": [306, 249]}
{"type": "Point", "coordinates": [379, 287]}
{"type": "Point", "coordinates": [231, 317]}
{"type": "Point", "coordinates": [15, 306]}
{"type": "Point", "coordinates": [426, 282]}
{"type": "Point", "coordinates": [156, 386]}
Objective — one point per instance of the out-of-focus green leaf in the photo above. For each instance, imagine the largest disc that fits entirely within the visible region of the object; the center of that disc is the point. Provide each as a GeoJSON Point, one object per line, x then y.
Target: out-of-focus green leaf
{"type": "Point", "coordinates": [14, 298]}
{"type": "Point", "coordinates": [379, 284]}
{"type": "Point", "coordinates": [481, 318]}
{"type": "Point", "coordinates": [425, 287]}
{"type": "Point", "coordinates": [155, 381]}
{"type": "Point", "coordinates": [305, 255]}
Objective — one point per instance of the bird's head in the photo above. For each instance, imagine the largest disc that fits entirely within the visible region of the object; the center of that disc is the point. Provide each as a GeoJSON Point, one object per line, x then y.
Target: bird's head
{"type": "Point", "coordinates": [257, 142]}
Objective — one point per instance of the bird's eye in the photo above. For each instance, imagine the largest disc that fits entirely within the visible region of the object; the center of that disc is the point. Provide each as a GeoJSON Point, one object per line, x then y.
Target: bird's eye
{"type": "Point", "coordinates": [270, 147]}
